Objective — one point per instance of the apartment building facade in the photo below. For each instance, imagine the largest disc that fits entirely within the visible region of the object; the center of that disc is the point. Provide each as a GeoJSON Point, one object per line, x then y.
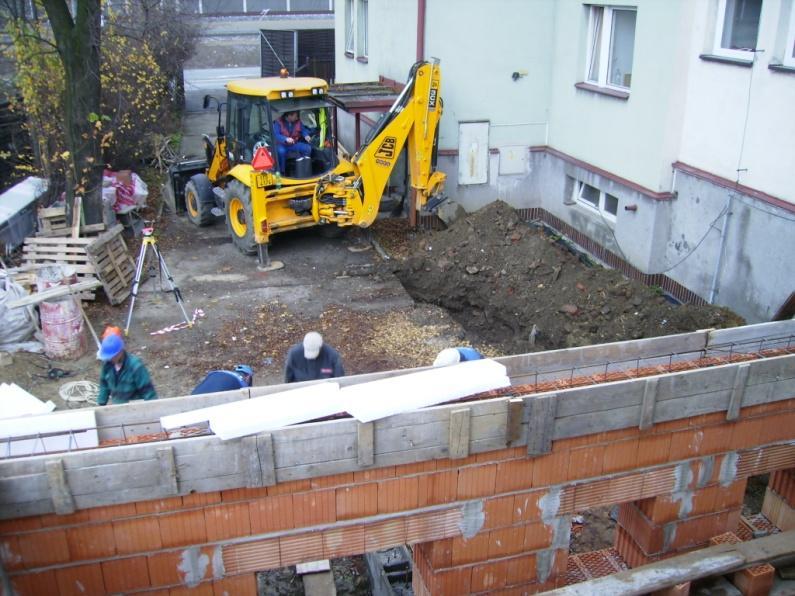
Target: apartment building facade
{"type": "Point", "coordinates": [659, 134]}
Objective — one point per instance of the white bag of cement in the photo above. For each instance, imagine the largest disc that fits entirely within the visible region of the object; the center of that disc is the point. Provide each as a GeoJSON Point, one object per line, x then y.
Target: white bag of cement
{"type": "Point", "coordinates": [17, 325]}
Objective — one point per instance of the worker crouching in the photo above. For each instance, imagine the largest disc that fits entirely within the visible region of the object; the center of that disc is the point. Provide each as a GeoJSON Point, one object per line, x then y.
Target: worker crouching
{"type": "Point", "coordinates": [123, 376]}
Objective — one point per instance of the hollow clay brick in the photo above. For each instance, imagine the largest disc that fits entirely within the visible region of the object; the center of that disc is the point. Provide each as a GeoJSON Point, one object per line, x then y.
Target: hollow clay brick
{"type": "Point", "coordinates": [93, 541]}
{"type": "Point", "coordinates": [112, 512]}
{"type": "Point", "coordinates": [203, 589]}
{"type": "Point", "coordinates": [621, 456]}
{"type": "Point", "coordinates": [376, 474]}
{"type": "Point", "coordinates": [586, 462]}
{"type": "Point", "coordinates": [470, 550]}
{"type": "Point", "coordinates": [288, 488]}
{"type": "Point", "coordinates": [201, 499]}
{"type": "Point", "coordinates": [421, 467]}
{"type": "Point", "coordinates": [54, 520]}
{"type": "Point", "coordinates": [183, 529]}
{"type": "Point", "coordinates": [498, 512]}
{"type": "Point", "coordinates": [270, 514]}
{"type": "Point", "coordinates": [439, 553]}
{"type": "Point", "coordinates": [755, 581]}
{"type": "Point", "coordinates": [42, 582]}
{"type": "Point", "coordinates": [487, 577]}
{"type": "Point", "coordinates": [137, 535]}
{"type": "Point", "coordinates": [123, 575]}
{"type": "Point", "coordinates": [22, 524]}
{"type": "Point", "coordinates": [653, 449]}
{"type": "Point", "coordinates": [385, 534]}
{"type": "Point", "coordinates": [345, 541]}
{"type": "Point", "coordinates": [331, 481]}
{"type": "Point", "coordinates": [537, 536]}
{"type": "Point", "coordinates": [746, 433]}
{"type": "Point", "coordinates": [506, 541]}
{"type": "Point", "coordinates": [9, 553]}
{"type": "Point", "coordinates": [40, 549]}
{"type": "Point", "coordinates": [80, 580]}
{"type": "Point", "coordinates": [451, 582]}
{"type": "Point", "coordinates": [243, 494]}
{"type": "Point", "coordinates": [241, 585]}
{"type": "Point", "coordinates": [301, 548]}
{"type": "Point", "coordinates": [521, 569]}
{"type": "Point", "coordinates": [476, 481]}
{"type": "Point", "coordinates": [550, 469]}
{"type": "Point", "coordinates": [316, 507]}
{"type": "Point", "coordinates": [525, 506]}
{"type": "Point", "coordinates": [227, 521]}
{"type": "Point", "coordinates": [357, 501]}
{"type": "Point", "coordinates": [158, 505]}
{"type": "Point", "coordinates": [436, 488]}
{"type": "Point", "coordinates": [514, 475]}
{"type": "Point", "coordinates": [399, 494]}
{"type": "Point", "coordinates": [164, 568]}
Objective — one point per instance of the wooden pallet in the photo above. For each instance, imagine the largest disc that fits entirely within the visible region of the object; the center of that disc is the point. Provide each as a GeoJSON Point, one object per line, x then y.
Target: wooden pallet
{"type": "Point", "coordinates": [104, 257]}
{"type": "Point", "coordinates": [52, 221]}
{"type": "Point", "coordinates": [113, 265]}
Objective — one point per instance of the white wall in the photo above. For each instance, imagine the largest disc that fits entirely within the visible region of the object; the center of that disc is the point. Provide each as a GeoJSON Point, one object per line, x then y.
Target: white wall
{"type": "Point", "coordinates": [718, 99]}
{"type": "Point", "coordinates": [636, 138]}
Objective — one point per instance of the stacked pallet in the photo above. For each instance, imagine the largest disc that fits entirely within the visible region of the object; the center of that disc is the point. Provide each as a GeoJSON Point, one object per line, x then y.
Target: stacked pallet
{"type": "Point", "coordinates": [52, 222]}
{"type": "Point", "coordinates": [104, 257]}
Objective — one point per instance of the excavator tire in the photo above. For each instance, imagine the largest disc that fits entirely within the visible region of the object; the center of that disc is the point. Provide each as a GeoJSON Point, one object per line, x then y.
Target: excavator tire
{"type": "Point", "coordinates": [199, 200]}
{"type": "Point", "coordinates": [239, 221]}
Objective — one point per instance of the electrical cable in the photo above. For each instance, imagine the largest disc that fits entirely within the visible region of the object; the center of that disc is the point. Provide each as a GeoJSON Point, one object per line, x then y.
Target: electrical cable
{"type": "Point", "coordinates": [79, 392]}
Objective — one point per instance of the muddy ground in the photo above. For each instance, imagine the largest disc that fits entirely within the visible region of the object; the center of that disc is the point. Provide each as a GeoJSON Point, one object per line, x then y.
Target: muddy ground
{"type": "Point", "coordinates": [523, 289]}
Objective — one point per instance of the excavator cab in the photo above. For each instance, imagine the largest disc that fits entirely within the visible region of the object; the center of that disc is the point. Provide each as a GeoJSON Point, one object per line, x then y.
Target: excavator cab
{"type": "Point", "coordinates": [250, 124]}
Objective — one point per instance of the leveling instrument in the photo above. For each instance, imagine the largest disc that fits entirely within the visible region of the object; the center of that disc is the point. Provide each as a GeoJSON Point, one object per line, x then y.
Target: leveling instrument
{"type": "Point", "coordinates": [149, 239]}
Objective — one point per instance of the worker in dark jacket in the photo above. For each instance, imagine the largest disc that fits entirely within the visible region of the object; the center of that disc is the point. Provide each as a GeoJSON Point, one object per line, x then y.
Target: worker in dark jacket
{"type": "Point", "coordinates": [226, 380]}
{"type": "Point", "coordinates": [123, 376]}
{"type": "Point", "coordinates": [312, 359]}
{"type": "Point", "coordinates": [455, 355]}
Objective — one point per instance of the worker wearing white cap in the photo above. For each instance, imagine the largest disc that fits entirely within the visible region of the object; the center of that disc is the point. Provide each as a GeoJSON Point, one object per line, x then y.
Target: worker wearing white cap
{"type": "Point", "coordinates": [312, 359]}
{"type": "Point", "coordinates": [450, 356]}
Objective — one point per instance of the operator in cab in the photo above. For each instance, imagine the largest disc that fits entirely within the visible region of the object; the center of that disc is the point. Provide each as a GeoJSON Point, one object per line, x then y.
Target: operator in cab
{"type": "Point", "coordinates": [292, 138]}
{"type": "Point", "coordinates": [312, 359]}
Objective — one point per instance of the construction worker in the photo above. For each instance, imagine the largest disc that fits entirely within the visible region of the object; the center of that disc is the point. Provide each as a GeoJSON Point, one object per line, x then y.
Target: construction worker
{"type": "Point", "coordinates": [226, 380]}
{"type": "Point", "coordinates": [455, 355]}
{"type": "Point", "coordinates": [312, 359]}
{"type": "Point", "coordinates": [123, 376]}
{"type": "Point", "coordinates": [292, 139]}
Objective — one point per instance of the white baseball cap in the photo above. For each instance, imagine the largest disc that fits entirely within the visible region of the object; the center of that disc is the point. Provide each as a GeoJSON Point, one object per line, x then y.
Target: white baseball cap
{"type": "Point", "coordinates": [313, 341]}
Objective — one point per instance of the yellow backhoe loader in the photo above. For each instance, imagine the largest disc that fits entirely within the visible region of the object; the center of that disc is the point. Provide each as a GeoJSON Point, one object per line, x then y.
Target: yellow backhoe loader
{"type": "Point", "coordinates": [261, 197]}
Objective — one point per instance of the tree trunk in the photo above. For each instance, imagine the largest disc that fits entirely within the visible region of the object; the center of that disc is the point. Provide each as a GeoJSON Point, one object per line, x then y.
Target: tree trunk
{"type": "Point", "coordinates": [78, 43]}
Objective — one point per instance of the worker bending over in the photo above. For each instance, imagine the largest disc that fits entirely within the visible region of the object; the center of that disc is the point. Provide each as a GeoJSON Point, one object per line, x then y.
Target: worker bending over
{"type": "Point", "coordinates": [123, 376]}
{"type": "Point", "coordinates": [455, 355]}
{"type": "Point", "coordinates": [312, 359]}
{"type": "Point", "coordinates": [226, 380]}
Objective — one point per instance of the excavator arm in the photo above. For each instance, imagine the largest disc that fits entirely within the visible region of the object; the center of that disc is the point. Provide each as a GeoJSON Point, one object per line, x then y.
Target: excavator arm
{"type": "Point", "coordinates": [353, 197]}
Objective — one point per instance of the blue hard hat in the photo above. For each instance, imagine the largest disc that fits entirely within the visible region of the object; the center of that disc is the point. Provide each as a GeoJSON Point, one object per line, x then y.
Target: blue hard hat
{"type": "Point", "coordinates": [111, 346]}
{"type": "Point", "coordinates": [244, 369]}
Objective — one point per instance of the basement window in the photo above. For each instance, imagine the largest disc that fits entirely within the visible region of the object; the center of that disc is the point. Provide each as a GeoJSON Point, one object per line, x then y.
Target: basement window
{"type": "Point", "coordinates": [596, 200]}
{"type": "Point", "coordinates": [362, 28]}
{"type": "Point", "coordinates": [737, 28]}
{"type": "Point", "coordinates": [611, 45]}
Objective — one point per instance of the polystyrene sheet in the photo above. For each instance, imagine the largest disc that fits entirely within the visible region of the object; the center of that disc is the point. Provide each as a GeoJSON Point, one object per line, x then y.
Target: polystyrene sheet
{"type": "Point", "coordinates": [48, 433]}
{"type": "Point", "coordinates": [277, 410]}
{"type": "Point", "coordinates": [197, 416]}
{"type": "Point", "coordinates": [386, 397]}
{"type": "Point", "coordinates": [15, 401]}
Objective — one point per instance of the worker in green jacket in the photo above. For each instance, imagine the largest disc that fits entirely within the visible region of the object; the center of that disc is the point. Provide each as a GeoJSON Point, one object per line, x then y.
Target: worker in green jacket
{"type": "Point", "coordinates": [123, 376]}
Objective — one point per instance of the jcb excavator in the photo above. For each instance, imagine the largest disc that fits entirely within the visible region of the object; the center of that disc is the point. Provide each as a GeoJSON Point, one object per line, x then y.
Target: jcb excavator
{"type": "Point", "coordinates": [243, 175]}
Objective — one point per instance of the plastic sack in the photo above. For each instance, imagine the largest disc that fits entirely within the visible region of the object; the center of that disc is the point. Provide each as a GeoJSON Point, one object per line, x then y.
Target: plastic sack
{"type": "Point", "coordinates": [17, 325]}
{"type": "Point", "coordinates": [131, 191]}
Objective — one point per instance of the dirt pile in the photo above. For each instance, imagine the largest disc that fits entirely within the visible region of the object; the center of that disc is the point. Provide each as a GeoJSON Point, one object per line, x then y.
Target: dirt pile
{"type": "Point", "coordinates": [515, 286]}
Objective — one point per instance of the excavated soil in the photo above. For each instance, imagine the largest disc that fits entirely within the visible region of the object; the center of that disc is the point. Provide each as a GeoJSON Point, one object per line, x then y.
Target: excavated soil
{"type": "Point", "coordinates": [522, 289]}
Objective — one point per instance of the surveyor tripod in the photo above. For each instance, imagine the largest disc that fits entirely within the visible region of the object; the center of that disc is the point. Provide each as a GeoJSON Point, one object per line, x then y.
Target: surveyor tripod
{"type": "Point", "coordinates": [150, 240]}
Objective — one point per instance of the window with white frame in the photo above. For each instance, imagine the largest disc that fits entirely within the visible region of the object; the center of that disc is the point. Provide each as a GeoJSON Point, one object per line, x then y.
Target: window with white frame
{"type": "Point", "coordinates": [349, 27]}
{"type": "Point", "coordinates": [737, 28]}
{"type": "Point", "coordinates": [789, 49]}
{"type": "Point", "coordinates": [596, 199]}
{"type": "Point", "coordinates": [611, 45]}
{"type": "Point", "coordinates": [362, 26]}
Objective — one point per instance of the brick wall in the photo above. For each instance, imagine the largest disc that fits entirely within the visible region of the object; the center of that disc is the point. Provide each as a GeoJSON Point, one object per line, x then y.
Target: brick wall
{"type": "Point", "coordinates": [492, 521]}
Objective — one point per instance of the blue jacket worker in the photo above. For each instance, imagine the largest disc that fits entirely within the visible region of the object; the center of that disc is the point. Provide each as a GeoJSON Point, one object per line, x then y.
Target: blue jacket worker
{"type": "Point", "coordinates": [292, 138]}
{"type": "Point", "coordinates": [455, 355]}
{"type": "Point", "coordinates": [312, 359]}
{"type": "Point", "coordinates": [226, 380]}
{"type": "Point", "coordinates": [123, 376]}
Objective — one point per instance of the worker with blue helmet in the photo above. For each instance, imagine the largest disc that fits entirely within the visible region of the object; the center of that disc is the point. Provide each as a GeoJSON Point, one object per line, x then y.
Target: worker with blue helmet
{"type": "Point", "coordinates": [241, 376]}
{"type": "Point", "coordinates": [123, 376]}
